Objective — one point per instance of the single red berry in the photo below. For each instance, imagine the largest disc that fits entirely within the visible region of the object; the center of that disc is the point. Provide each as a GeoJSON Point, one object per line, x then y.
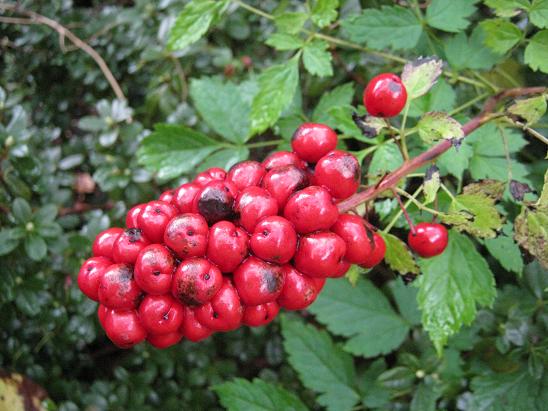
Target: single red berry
{"type": "Point", "coordinates": [311, 209]}
{"type": "Point", "coordinates": [283, 181]}
{"type": "Point", "coordinates": [124, 328]}
{"type": "Point", "coordinates": [312, 141]}
{"type": "Point", "coordinates": [378, 250]}
{"type": "Point", "coordinates": [192, 329]}
{"type": "Point", "coordinates": [252, 204]}
{"type": "Point", "coordinates": [258, 282]}
{"type": "Point", "coordinates": [429, 240]}
{"type": "Point", "coordinates": [343, 268]}
{"type": "Point", "coordinates": [385, 95]}
{"type": "Point", "coordinates": [320, 254]}
{"type": "Point", "coordinates": [118, 289]}
{"type": "Point", "coordinates": [246, 174]}
{"type": "Point", "coordinates": [259, 315]}
{"type": "Point", "coordinates": [339, 172]}
{"type": "Point", "coordinates": [154, 218]}
{"type": "Point", "coordinates": [283, 158]}
{"type": "Point", "coordinates": [320, 282]}
{"type": "Point", "coordinates": [216, 201]}
{"type": "Point", "coordinates": [227, 246]}
{"type": "Point", "coordinates": [162, 341]}
{"type": "Point", "coordinates": [196, 281]}
{"type": "Point", "coordinates": [161, 314]}
{"type": "Point", "coordinates": [154, 269]}
{"type": "Point", "coordinates": [184, 196]}
{"type": "Point", "coordinates": [352, 230]}
{"type": "Point", "coordinates": [209, 175]}
{"type": "Point", "coordinates": [224, 312]}
{"type": "Point", "coordinates": [187, 235]}
{"type": "Point", "coordinates": [104, 242]}
{"type": "Point", "coordinates": [133, 215]}
{"type": "Point", "coordinates": [274, 240]}
{"type": "Point", "coordinates": [102, 313]}
{"type": "Point", "coordinates": [128, 246]}
{"type": "Point", "coordinates": [299, 290]}
{"type": "Point", "coordinates": [90, 275]}
{"type": "Point", "coordinates": [167, 196]}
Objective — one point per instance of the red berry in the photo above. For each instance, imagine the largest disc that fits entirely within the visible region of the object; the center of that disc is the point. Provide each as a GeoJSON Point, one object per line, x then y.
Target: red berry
{"type": "Point", "coordinates": [184, 197]}
{"type": "Point", "coordinates": [209, 175]}
{"type": "Point", "coordinates": [161, 314]}
{"type": "Point", "coordinates": [187, 235]}
{"type": "Point", "coordinates": [430, 239]}
{"type": "Point", "coordinates": [133, 215]}
{"type": "Point", "coordinates": [154, 269]}
{"type": "Point", "coordinates": [192, 329]}
{"type": "Point", "coordinates": [274, 240]}
{"type": "Point", "coordinates": [162, 341]}
{"type": "Point", "coordinates": [283, 158]}
{"type": "Point", "coordinates": [90, 275]}
{"type": "Point", "coordinates": [385, 95]}
{"type": "Point", "coordinates": [128, 246]}
{"type": "Point", "coordinates": [196, 281]}
{"type": "Point", "coordinates": [312, 141]}
{"type": "Point", "coordinates": [216, 201]}
{"type": "Point", "coordinates": [118, 289]}
{"type": "Point", "coordinates": [124, 328]}
{"type": "Point", "coordinates": [311, 209]}
{"type": "Point", "coordinates": [258, 282]}
{"type": "Point", "coordinates": [341, 270]}
{"type": "Point", "coordinates": [299, 290]}
{"type": "Point", "coordinates": [227, 246]}
{"type": "Point", "coordinates": [339, 172]}
{"type": "Point", "coordinates": [320, 254]}
{"type": "Point", "coordinates": [104, 242]}
{"type": "Point", "coordinates": [154, 218]}
{"type": "Point", "coordinates": [167, 196]}
{"type": "Point", "coordinates": [283, 181]}
{"type": "Point", "coordinates": [378, 250]}
{"type": "Point", "coordinates": [102, 313]}
{"type": "Point", "coordinates": [258, 315]}
{"type": "Point", "coordinates": [252, 204]}
{"type": "Point", "coordinates": [246, 174]}
{"type": "Point", "coordinates": [352, 230]}
{"type": "Point", "coordinates": [224, 312]}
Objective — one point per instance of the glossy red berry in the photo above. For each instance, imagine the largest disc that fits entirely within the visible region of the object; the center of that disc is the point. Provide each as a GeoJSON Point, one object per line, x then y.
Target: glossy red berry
{"type": "Point", "coordinates": [283, 158]}
{"type": "Point", "coordinates": [343, 268]}
{"type": "Point", "coordinates": [339, 172]}
{"type": "Point", "coordinates": [274, 239]}
{"type": "Point", "coordinates": [378, 250]}
{"type": "Point", "coordinates": [299, 290]}
{"type": "Point", "coordinates": [154, 269]}
{"type": "Point", "coordinates": [133, 215]}
{"type": "Point", "coordinates": [320, 254]}
{"type": "Point", "coordinates": [224, 312]}
{"type": "Point", "coordinates": [90, 275]}
{"type": "Point", "coordinates": [161, 314]}
{"type": "Point", "coordinates": [167, 196]}
{"type": "Point", "coordinates": [259, 315]}
{"type": "Point", "coordinates": [385, 95]}
{"type": "Point", "coordinates": [118, 289]}
{"type": "Point", "coordinates": [196, 281]}
{"type": "Point", "coordinates": [124, 328]}
{"type": "Point", "coordinates": [283, 181]}
{"type": "Point", "coordinates": [102, 313]}
{"type": "Point", "coordinates": [183, 198]}
{"type": "Point", "coordinates": [311, 209]}
{"type": "Point", "coordinates": [104, 242]}
{"type": "Point", "coordinates": [154, 219]}
{"type": "Point", "coordinates": [209, 175]}
{"type": "Point", "coordinates": [312, 141]}
{"type": "Point", "coordinates": [187, 235]}
{"type": "Point", "coordinates": [246, 174]}
{"type": "Point", "coordinates": [429, 240]}
{"type": "Point", "coordinates": [352, 230]}
{"type": "Point", "coordinates": [192, 329]}
{"type": "Point", "coordinates": [227, 246]}
{"type": "Point", "coordinates": [252, 204]}
{"type": "Point", "coordinates": [216, 201]}
{"type": "Point", "coordinates": [162, 341]}
{"type": "Point", "coordinates": [128, 246]}
{"type": "Point", "coordinates": [258, 282]}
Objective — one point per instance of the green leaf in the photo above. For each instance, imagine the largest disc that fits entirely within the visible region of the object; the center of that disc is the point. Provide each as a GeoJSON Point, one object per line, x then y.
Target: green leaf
{"type": "Point", "coordinates": [425, 397]}
{"type": "Point", "coordinates": [538, 13]}
{"type": "Point", "coordinates": [450, 15]}
{"type": "Point", "coordinates": [441, 97]}
{"type": "Point", "coordinates": [339, 96]}
{"type": "Point", "coordinates": [505, 250]}
{"type": "Point", "coordinates": [172, 150]}
{"type": "Point", "coordinates": [21, 210]}
{"type": "Point", "coordinates": [322, 366]}
{"type": "Point", "coordinates": [316, 58]}
{"type": "Point", "coordinates": [431, 184]}
{"type": "Point", "coordinates": [536, 52]}
{"type": "Point", "coordinates": [353, 274]}
{"type": "Point", "coordinates": [450, 286]}
{"type": "Point", "coordinates": [389, 26]}
{"type": "Point", "coordinates": [455, 161]}
{"type": "Point", "coordinates": [225, 158]}
{"type": "Point", "coordinates": [375, 327]}
{"type": "Point", "coordinates": [531, 109]}
{"type": "Point", "coordinates": [92, 123]}
{"type": "Point", "coordinates": [324, 12]}
{"type": "Point", "coordinates": [35, 247]}
{"type": "Point", "coordinates": [194, 21]}
{"type": "Point", "coordinates": [507, 8]}
{"type": "Point", "coordinates": [437, 125]}
{"type": "Point", "coordinates": [223, 106]}
{"type": "Point", "coordinates": [9, 239]}
{"type": "Point", "coordinates": [398, 256]}
{"type": "Point", "coordinates": [406, 300]}
{"type": "Point", "coordinates": [290, 22]}
{"type": "Point", "coordinates": [277, 86]}
{"type": "Point", "coordinates": [386, 158]}
{"type": "Point", "coordinates": [258, 395]}
{"type": "Point", "coordinates": [463, 52]}
{"type": "Point", "coordinates": [420, 75]}
{"type": "Point", "coordinates": [284, 41]}
{"type": "Point", "coordinates": [46, 214]}
{"type": "Point", "coordinates": [501, 35]}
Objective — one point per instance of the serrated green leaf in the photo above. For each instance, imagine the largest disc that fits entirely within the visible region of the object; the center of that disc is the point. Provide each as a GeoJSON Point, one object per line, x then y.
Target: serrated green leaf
{"type": "Point", "coordinates": [284, 41]}
{"type": "Point", "coordinates": [538, 13]}
{"type": "Point", "coordinates": [420, 75]}
{"type": "Point", "coordinates": [441, 97]}
{"type": "Point", "coordinates": [386, 158]}
{"type": "Point", "coordinates": [339, 96]}
{"type": "Point", "coordinates": [531, 109]}
{"type": "Point", "coordinates": [455, 161]}
{"type": "Point", "coordinates": [450, 286]}
{"type": "Point", "coordinates": [172, 150]}
{"type": "Point", "coordinates": [21, 210]}
{"type": "Point", "coordinates": [324, 12]}
{"type": "Point", "coordinates": [507, 8]}
{"type": "Point", "coordinates": [375, 327]}
{"type": "Point", "coordinates": [500, 35]}
{"type": "Point", "coordinates": [9, 239]}
{"type": "Point", "coordinates": [425, 397]}
{"type": "Point", "coordinates": [437, 125]}
{"type": "Point", "coordinates": [398, 256]}
{"type": "Point", "coordinates": [536, 52]}
{"type": "Point", "coordinates": [389, 26]}
{"type": "Point", "coordinates": [240, 394]}
{"type": "Point", "coordinates": [225, 158]}
{"type": "Point", "coordinates": [431, 184]}
{"type": "Point", "coordinates": [316, 58]}
{"type": "Point", "coordinates": [406, 300]}
{"type": "Point", "coordinates": [322, 366]}
{"type": "Point", "coordinates": [450, 15]}
{"type": "Point", "coordinates": [462, 52]}
{"type": "Point", "coordinates": [35, 247]}
{"type": "Point", "coordinates": [290, 22]}
{"type": "Point", "coordinates": [505, 250]}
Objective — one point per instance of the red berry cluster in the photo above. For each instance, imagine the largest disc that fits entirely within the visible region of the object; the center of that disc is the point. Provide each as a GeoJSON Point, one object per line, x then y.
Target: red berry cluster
{"type": "Point", "coordinates": [231, 248]}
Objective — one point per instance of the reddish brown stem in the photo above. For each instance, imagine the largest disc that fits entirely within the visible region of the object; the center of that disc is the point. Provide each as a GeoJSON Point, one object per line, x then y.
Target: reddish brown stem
{"type": "Point", "coordinates": [405, 213]}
